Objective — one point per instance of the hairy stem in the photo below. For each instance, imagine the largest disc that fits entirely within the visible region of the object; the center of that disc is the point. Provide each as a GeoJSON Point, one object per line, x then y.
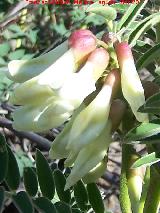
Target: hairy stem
{"type": "Point", "coordinates": [144, 190]}
{"type": "Point", "coordinates": [153, 194]}
{"type": "Point", "coordinates": [124, 196]}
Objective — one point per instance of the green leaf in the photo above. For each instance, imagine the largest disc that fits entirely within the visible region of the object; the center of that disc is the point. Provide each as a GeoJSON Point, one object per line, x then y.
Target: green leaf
{"type": "Point", "coordinates": [143, 131]}
{"type": "Point", "coordinates": [151, 110]}
{"type": "Point", "coordinates": [107, 12]}
{"type": "Point", "coordinates": [32, 36]}
{"type": "Point", "coordinates": [3, 158]}
{"type": "Point", "coordinates": [148, 57]}
{"type": "Point", "coordinates": [152, 104]}
{"type": "Point", "coordinates": [121, 8]}
{"type": "Point", "coordinates": [23, 161]}
{"type": "Point", "coordinates": [2, 197]}
{"type": "Point", "coordinates": [146, 160]}
{"type": "Point", "coordinates": [157, 71]}
{"type": "Point", "coordinates": [28, 56]}
{"type": "Point", "coordinates": [30, 181]}
{"type": "Point", "coordinates": [60, 182]}
{"type": "Point", "coordinates": [23, 202]}
{"type": "Point", "coordinates": [45, 177]}
{"type": "Point", "coordinates": [17, 54]}
{"type": "Point", "coordinates": [80, 194]}
{"type": "Point", "coordinates": [131, 14]}
{"type": "Point", "coordinates": [13, 174]}
{"type": "Point", "coordinates": [15, 28]}
{"type": "Point", "coordinates": [4, 49]}
{"type": "Point", "coordinates": [123, 21]}
{"type": "Point", "coordinates": [62, 207]}
{"type": "Point", "coordinates": [44, 205]}
{"type": "Point", "coordinates": [142, 27]}
{"type": "Point", "coordinates": [2, 62]}
{"type": "Point", "coordinates": [95, 198]}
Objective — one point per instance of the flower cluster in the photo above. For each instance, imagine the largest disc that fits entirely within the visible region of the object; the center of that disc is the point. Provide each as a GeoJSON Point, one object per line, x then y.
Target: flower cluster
{"type": "Point", "coordinates": [61, 86]}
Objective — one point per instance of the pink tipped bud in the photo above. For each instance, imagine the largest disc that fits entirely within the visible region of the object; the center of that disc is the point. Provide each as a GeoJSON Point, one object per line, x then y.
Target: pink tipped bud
{"type": "Point", "coordinates": [113, 80]}
{"type": "Point", "coordinates": [100, 59]}
{"type": "Point", "coordinates": [123, 53]}
{"type": "Point", "coordinates": [77, 35]}
{"type": "Point", "coordinates": [83, 46]}
{"type": "Point", "coordinates": [130, 82]}
{"type": "Point", "coordinates": [82, 42]}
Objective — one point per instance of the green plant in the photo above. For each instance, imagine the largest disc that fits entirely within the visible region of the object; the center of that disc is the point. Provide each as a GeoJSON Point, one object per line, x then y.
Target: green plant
{"type": "Point", "coordinates": [81, 85]}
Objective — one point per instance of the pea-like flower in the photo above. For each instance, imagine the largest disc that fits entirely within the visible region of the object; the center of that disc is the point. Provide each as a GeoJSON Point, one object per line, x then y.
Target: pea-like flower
{"type": "Point", "coordinates": [93, 118]}
{"type": "Point", "coordinates": [43, 85]}
{"type": "Point", "coordinates": [49, 112]}
{"type": "Point", "coordinates": [86, 137]}
{"type": "Point", "coordinates": [96, 172]}
{"type": "Point", "coordinates": [80, 85]}
{"type": "Point", "coordinates": [22, 70]}
{"type": "Point", "coordinates": [130, 82]}
{"type": "Point", "coordinates": [89, 156]}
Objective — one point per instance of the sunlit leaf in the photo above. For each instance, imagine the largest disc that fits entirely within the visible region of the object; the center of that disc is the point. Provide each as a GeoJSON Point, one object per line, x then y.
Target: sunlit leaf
{"type": "Point", "coordinates": [107, 12]}
{"type": "Point", "coordinates": [143, 131]}
{"type": "Point", "coordinates": [146, 160]}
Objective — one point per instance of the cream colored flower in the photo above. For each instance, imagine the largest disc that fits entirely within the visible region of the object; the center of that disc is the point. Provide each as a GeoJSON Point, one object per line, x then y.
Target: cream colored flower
{"type": "Point", "coordinates": [130, 82]}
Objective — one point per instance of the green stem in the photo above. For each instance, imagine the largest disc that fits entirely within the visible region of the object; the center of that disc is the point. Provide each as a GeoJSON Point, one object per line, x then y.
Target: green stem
{"type": "Point", "coordinates": [158, 33]}
{"type": "Point", "coordinates": [102, 43]}
{"type": "Point", "coordinates": [157, 27]}
{"type": "Point", "coordinates": [124, 196]}
{"type": "Point", "coordinates": [153, 194]}
{"type": "Point", "coordinates": [144, 190]}
{"type": "Point", "coordinates": [110, 25]}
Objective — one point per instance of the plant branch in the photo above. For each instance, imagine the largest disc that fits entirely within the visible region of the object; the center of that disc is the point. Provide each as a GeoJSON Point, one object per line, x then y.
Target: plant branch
{"type": "Point", "coordinates": [35, 138]}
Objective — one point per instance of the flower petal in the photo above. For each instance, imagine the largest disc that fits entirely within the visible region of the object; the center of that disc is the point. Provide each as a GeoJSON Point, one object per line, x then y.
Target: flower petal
{"type": "Point", "coordinates": [130, 82]}
{"type": "Point", "coordinates": [23, 70]}
{"type": "Point", "coordinates": [90, 156]}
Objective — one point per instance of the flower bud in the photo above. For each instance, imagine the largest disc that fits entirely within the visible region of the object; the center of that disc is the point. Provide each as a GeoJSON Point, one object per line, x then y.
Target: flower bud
{"type": "Point", "coordinates": [58, 149]}
{"type": "Point", "coordinates": [79, 34]}
{"type": "Point", "coordinates": [89, 156]}
{"type": "Point", "coordinates": [130, 82]}
{"type": "Point", "coordinates": [53, 77]}
{"type": "Point", "coordinates": [135, 183]}
{"type": "Point", "coordinates": [40, 118]}
{"type": "Point", "coordinates": [96, 172]}
{"type": "Point", "coordinates": [22, 70]}
{"type": "Point", "coordinates": [95, 115]}
{"type": "Point", "coordinates": [80, 85]}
